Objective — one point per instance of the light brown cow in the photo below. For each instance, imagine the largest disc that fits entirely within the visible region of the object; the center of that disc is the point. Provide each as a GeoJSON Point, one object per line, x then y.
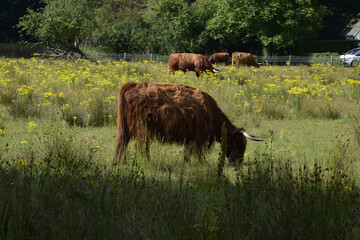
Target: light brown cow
{"type": "Point", "coordinates": [174, 113]}
{"type": "Point", "coordinates": [190, 62]}
{"type": "Point", "coordinates": [246, 59]}
{"type": "Point", "coordinates": [219, 58]}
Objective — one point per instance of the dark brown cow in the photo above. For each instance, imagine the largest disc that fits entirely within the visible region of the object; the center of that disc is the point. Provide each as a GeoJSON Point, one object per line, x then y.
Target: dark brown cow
{"type": "Point", "coordinates": [190, 62]}
{"type": "Point", "coordinates": [246, 59]}
{"type": "Point", "coordinates": [175, 114]}
{"type": "Point", "coordinates": [219, 58]}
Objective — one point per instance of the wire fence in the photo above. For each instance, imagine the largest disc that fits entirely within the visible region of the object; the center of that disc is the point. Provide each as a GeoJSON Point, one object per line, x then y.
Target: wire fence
{"type": "Point", "coordinates": [273, 60]}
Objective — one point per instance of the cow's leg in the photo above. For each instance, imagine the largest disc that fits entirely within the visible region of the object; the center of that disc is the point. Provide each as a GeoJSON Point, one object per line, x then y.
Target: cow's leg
{"type": "Point", "coordinates": [197, 73]}
{"type": "Point", "coordinates": [143, 146]}
{"type": "Point", "coordinates": [121, 145]}
{"type": "Point", "coordinates": [188, 150]}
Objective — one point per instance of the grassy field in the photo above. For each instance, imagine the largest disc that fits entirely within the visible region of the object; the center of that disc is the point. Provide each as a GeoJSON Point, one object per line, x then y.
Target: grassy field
{"type": "Point", "coordinates": [57, 137]}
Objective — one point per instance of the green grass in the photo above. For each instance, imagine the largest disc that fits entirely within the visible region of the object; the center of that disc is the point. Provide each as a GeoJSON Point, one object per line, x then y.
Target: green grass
{"type": "Point", "coordinates": [302, 182]}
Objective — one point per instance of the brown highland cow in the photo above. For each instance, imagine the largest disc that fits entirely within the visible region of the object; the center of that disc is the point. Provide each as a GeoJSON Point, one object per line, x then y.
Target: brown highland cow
{"type": "Point", "coordinates": [174, 113]}
{"type": "Point", "coordinates": [219, 58]}
{"type": "Point", "coordinates": [245, 59]}
{"type": "Point", "coordinates": [190, 62]}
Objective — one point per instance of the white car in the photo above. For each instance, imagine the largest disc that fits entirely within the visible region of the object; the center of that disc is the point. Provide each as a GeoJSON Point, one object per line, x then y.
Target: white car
{"type": "Point", "coordinates": [351, 57]}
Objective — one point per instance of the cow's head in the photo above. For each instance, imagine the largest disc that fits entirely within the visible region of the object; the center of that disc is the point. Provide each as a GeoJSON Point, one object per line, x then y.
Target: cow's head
{"type": "Point", "coordinates": [236, 144]}
{"type": "Point", "coordinates": [214, 70]}
{"type": "Point", "coordinates": [255, 63]}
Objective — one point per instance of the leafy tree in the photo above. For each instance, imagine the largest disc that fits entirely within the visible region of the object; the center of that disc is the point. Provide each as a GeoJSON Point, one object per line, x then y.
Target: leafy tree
{"type": "Point", "coordinates": [63, 26]}
{"type": "Point", "coordinates": [120, 25]}
{"type": "Point", "coordinates": [192, 26]}
{"type": "Point", "coordinates": [161, 17]}
{"type": "Point", "coordinates": [178, 25]}
{"type": "Point", "coordinates": [276, 23]}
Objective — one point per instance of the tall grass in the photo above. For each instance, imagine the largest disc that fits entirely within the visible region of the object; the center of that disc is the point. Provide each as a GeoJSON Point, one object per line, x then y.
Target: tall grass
{"type": "Point", "coordinates": [88, 92]}
{"type": "Point", "coordinates": [269, 197]}
{"type": "Point", "coordinates": [356, 127]}
{"type": "Point", "coordinates": [57, 180]}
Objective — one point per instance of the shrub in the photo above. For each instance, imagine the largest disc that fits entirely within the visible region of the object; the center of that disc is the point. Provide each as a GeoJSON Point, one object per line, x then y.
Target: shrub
{"type": "Point", "coordinates": [321, 108]}
{"type": "Point", "coordinates": [73, 112]}
{"type": "Point", "coordinates": [102, 109]}
{"type": "Point", "coordinates": [325, 58]}
{"type": "Point", "coordinates": [63, 150]}
{"type": "Point", "coordinates": [275, 109]}
{"type": "Point", "coordinates": [25, 102]}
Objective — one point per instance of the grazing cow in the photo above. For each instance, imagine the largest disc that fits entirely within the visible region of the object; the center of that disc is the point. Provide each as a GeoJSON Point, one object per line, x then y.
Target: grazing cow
{"type": "Point", "coordinates": [174, 113]}
{"type": "Point", "coordinates": [242, 58]}
{"type": "Point", "coordinates": [219, 58]}
{"type": "Point", "coordinates": [190, 62]}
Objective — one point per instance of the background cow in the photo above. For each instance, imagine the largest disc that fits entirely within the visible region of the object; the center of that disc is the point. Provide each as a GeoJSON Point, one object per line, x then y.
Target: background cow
{"type": "Point", "coordinates": [190, 62]}
{"type": "Point", "coordinates": [176, 114]}
{"type": "Point", "coordinates": [219, 58]}
{"type": "Point", "coordinates": [246, 59]}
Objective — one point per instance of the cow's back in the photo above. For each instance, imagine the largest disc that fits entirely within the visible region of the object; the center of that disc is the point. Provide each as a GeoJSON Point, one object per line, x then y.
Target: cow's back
{"type": "Point", "coordinates": [170, 112]}
{"type": "Point", "coordinates": [189, 61]}
{"type": "Point", "coordinates": [243, 58]}
{"type": "Point", "coordinates": [219, 57]}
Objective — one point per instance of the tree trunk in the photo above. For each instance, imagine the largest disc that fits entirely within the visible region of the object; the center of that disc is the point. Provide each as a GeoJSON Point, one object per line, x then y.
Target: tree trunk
{"type": "Point", "coordinates": [84, 55]}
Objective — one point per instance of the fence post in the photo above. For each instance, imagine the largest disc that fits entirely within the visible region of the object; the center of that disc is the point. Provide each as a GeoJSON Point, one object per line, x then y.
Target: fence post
{"type": "Point", "coordinates": [331, 60]}
{"type": "Point", "coordinates": [124, 56]}
{"type": "Point", "coordinates": [150, 57]}
{"type": "Point", "coordinates": [289, 60]}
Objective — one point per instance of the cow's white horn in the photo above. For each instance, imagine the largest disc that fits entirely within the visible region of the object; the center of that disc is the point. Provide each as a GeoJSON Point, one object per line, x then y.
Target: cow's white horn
{"type": "Point", "coordinates": [254, 138]}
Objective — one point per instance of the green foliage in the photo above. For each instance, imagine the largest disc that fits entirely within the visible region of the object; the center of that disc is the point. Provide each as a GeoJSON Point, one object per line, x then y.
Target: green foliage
{"type": "Point", "coordinates": [276, 24]}
{"type": "Point", "coordinates": [270, 197]}
{"type": "Point", "coordinates": [119, 25]}
{"type": "Point", "coordinates": [61, 25]}
{"type": "Point", "coordinates": [23, 102]}
{"type": "Point", "coordinates": [58, 182]}
{"type": "Point", "coordinates": [169, 26]}
{"type": "Point", "coordinates": [63, 150]}
{"type": "Point", "coordinates": [325, 58]}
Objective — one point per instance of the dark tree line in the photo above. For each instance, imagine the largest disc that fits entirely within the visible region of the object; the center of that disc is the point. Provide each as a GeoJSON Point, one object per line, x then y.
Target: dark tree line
{"type": "Point", "coordinates": [165, 26]}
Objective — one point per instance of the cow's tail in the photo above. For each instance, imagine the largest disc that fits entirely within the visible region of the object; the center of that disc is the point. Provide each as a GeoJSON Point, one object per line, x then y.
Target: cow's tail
{"type": "Point", "coordinates": [122, 137]}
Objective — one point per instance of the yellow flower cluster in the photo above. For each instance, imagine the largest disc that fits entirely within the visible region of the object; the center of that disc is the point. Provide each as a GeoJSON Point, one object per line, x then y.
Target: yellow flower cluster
{"type": "Point", "coordinates": [31, 126]}
{"type": "Point", "coordinates": [68, 84]}
{"type": "Point", "coordinates": [25, 90]}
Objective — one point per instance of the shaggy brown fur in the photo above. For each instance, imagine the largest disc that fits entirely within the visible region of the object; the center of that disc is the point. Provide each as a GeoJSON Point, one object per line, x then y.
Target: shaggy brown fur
{"type": "Point", "coordinates": [176, 114]}
{"type": "Point", "coordinates": [190, 62]}
{"type": "Point", "coordinates": [247, 59]}
{"type": "Point", "coordinates": [219, 58]}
